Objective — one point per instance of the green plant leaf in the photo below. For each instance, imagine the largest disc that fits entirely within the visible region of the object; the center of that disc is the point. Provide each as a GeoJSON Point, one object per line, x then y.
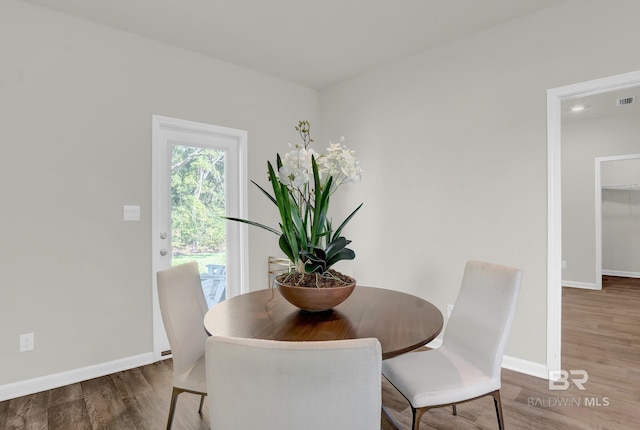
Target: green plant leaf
{"type": "Point", "coordinates": [299, 226]}
{"type": "Point", "coordinates": [281, 194]}
{"type": "Point", "coordinates": [265, 193]}
{"type": "Point", "coordinates": [335, 246]}
{"type": "Point", "coordinates": [315, 261]}
{"type": "Point", "coordinates": [285, 247]}
{"type": "Point", "coordinates": [266, 227]}
{"type": "Point", "coordinates": [321, 204]}
{"type": "Point", "coordinates": [345, 254]}
{"type": "Point", "coordinates": [347, 219]}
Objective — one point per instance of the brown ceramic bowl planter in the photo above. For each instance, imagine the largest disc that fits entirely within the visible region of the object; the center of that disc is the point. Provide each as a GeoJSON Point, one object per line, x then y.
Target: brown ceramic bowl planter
{"type": "Point", "coordinates": [313, 299]}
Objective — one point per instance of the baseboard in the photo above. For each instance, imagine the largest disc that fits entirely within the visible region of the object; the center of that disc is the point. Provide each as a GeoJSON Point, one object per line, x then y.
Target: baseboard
{"type": "Point", "coordinates": [48, 382]}
{"type": "Point", "coordinates": [583, 285]}
{"type": "Point", "coordinates": [621, 273]}
{"type": "Point", "coordinates": [525, 366]}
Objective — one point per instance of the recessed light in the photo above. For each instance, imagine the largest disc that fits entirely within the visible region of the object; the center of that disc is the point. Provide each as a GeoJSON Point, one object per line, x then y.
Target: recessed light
{"type": "Point", "coordinates": [577, 108]}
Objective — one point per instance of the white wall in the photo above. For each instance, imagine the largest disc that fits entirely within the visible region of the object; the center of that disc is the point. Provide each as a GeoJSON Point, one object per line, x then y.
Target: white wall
{"type": "Point", "coordinates": [582, 142]}
{"type": "Point", "coordinates": [625, 172]}
{"type": "Point", "coordinates": [453, 143]}
{"type": "Point", "coordinates": [76, 101]}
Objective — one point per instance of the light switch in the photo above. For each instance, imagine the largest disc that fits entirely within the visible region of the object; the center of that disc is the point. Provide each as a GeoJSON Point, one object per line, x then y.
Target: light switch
{"type": "Point", "coordinates": [131, 213]}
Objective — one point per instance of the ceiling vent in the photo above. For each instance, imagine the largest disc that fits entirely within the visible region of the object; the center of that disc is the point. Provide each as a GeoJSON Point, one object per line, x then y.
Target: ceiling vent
{"type": "Point", "coordinates": [625, 101]}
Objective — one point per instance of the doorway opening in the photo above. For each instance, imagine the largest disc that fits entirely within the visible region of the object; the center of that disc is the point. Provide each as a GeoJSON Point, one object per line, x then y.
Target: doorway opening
{"type": "Point", "coordinates": [554, 201]}
{"type": "Point", "coordinates": [617, 181]}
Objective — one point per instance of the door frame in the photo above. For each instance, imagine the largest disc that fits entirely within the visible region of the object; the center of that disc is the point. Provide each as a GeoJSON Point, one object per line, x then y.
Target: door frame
{"type": "Point", "coordinates": [555, 96]}
{"type": "Point", "coordinates": [164, 131]}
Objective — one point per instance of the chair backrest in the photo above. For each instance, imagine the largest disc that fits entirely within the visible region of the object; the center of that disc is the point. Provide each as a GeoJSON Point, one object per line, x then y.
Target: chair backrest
{"type": "Point", "coordinates": [479, 324]}
{"type": "Point", "coordinates": [183, 306]}
{"type": "Point", "coordinates": [274, 385]}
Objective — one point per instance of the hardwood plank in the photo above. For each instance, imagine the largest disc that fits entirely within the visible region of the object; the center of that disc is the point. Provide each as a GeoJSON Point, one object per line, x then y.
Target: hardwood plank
{"type": "Point", "coordinates": [160, 375]}
{"type": "Point", "coordinates": [104, 405]}
{"type": "Point", "coordinates": [131, 383]}
{"type": "Point", "coordinates": [27, 413]}
{"type": "Point", "coordinates": [148, 411]}
{"type": "Point", "coordinates": [66, 394]}
{"type": "Point", "coordinates": [69, 415]}
{"type": "Point", "coordinates": [4, 410]}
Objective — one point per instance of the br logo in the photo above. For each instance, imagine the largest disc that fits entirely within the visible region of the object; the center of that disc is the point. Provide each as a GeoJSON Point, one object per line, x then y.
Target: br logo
{"type": "Point", "coordinates": [562, 379]}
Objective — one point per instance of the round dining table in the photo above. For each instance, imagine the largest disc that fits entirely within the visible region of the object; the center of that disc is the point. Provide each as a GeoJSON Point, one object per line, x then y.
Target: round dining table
{"type": "Point", "coordinates": [401, 322]}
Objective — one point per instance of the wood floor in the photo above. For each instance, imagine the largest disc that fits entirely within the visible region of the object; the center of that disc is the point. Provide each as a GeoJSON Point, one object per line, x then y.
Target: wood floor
{"type": "Point", "coordinates": [600, 334]}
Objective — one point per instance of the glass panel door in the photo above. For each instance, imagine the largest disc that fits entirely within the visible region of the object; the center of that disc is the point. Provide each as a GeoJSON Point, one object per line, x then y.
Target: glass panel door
{"type": "Point", "coordinates": [199, 172]}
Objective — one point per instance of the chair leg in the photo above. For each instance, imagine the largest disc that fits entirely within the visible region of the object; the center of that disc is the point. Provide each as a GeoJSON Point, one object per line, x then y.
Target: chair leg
{"type": "Point", "coordinates": [455, 410]}
{"type": "Point", "coordinates": [498, 404]}
{"type": "Point", "coordinates": [172, 406]}
{"type": "Point", "coordinates": [417, 414]}
{"type": "Point", "coordinates": [201, 402]}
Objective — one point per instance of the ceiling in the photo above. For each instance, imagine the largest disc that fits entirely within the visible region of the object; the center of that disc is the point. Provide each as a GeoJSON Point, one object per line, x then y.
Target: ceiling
{"type": "Point", "coordinates": [602, 105]}
{"type": "Point", "coordinates": [315, 43]}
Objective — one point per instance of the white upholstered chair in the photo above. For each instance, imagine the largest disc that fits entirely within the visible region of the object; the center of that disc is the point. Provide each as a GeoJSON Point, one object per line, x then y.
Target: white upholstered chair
{"type": "Point", "coordinates": [276, 385]}
{"type": "Point", "coordinates": [468, 363]}
{"type": "Point", "coordinates": [183, 306]}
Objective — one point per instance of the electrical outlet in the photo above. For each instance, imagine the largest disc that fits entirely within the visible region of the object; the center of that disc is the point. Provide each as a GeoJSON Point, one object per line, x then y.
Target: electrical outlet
{"type": "Point", "coordinates": [449, 310]}
{"type": "Point", "coordinates": [26, 342]}
{"type": "Point", "coordinates": [564, 264]}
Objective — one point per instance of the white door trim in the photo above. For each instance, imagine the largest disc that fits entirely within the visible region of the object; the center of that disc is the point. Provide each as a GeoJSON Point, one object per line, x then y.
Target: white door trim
{"type": "Point", "coordinates": [554, 199]}
{"type": "Point", "coordinates": [164, 130]}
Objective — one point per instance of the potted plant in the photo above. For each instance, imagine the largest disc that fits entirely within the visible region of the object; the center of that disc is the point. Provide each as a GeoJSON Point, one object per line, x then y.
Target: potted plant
{"type": "Point", "coordinates": [303, 182]}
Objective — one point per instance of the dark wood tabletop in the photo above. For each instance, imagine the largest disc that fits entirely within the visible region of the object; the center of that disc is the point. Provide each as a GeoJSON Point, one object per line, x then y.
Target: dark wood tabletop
{"type": "Point", "coordinates": [400, 321]}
